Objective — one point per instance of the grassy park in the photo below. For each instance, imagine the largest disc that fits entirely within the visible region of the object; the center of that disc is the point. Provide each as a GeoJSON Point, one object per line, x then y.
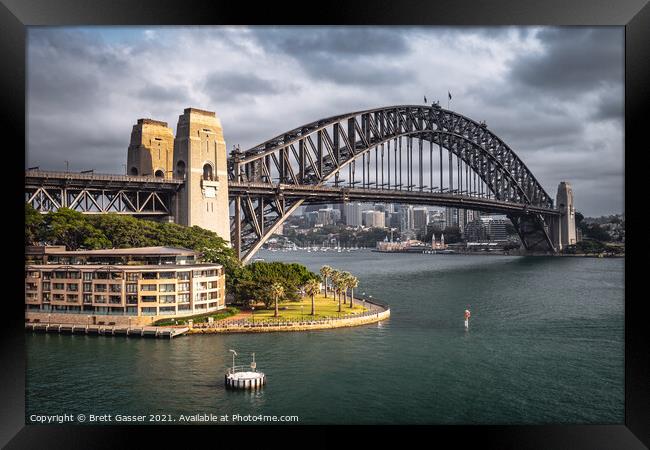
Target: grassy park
{"type": "Point", "coordinates": [325, 308]}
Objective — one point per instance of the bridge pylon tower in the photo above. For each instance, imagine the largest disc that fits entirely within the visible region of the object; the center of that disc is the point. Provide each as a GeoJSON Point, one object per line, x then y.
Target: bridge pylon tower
{"type": "Point", "coordinates": [200, 160]}
{"type": "Point", "coordinates": [151, 149]}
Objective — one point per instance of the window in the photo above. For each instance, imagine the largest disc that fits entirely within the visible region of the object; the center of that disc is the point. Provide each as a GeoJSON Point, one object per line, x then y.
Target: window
{"type": "Point", "coordinates": [47, 275]}
{"type": "Point", "coordinates": [115, 300]}
{"type": "Point", "coordinates": [88, 298]}
{"type": "Point", "coordinates": [131, 287]}
{"type": "Point", "coordinates": [133, 171]}
{"type": "Point", "coordinates": [167, 287]}
{"type": "Point", "coordinates": [88, 276]}
{"type": "Point", "coordinates": [183, 275]}
{"type": "Point", "coordinates": [59, 286]}
{"type": "Point", "coordinates": [167, 299]}
{"type": "Point", "coordinates": [149, 275]}
{"type": "Point", "coordinates": [100, 299]}
{"type": "Point", "coordinates": [167, 275]}
{"type": "Point", "coordinates": [116, 287]}
{"type": "Point", "coordinates": [100, 288]}
{"type": "Point", "coordinates": [183, 286]}
{"type": "Point", "coordinates": [148, 298]}
{"type": "Point", "coordinates": [46, 297]}
{"type": "Point", "coordinates": [180, 169]}
{"type": "Point", "coordinates": [132, 276]}
{"type": "Point", "coordinates": [131, 299]}
{"type": "Point", "coordinates": [183, 298]}
{"type": "Point", "coordinates": [148, 311]}
{"type": "Point", "coordinates": [148, 287]}
{"type": "Point", "coordinates": [88, 287]}
{"type": "Point", "coordinates": [159, 174]}
{"type": "Point", "coordinates": [167, 310]}
{"type": "Point", "coordinates": [73, 287]}
{"type": "Point", "coordinates": [207, 172]}
{"type": "Point", "coordinates": [46, 286]}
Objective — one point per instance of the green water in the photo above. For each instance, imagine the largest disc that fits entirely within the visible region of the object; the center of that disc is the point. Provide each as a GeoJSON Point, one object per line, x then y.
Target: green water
{"type": "Point", "coordinates": [545, 345]}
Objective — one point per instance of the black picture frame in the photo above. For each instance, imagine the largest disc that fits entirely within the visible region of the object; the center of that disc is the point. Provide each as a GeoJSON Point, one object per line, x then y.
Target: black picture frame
{"type": "Point", "coordinates": [16, 15]}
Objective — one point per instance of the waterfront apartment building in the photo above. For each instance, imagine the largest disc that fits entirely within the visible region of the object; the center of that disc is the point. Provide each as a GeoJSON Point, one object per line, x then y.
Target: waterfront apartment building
{"type": "Point", "coordinates": [159, 282]}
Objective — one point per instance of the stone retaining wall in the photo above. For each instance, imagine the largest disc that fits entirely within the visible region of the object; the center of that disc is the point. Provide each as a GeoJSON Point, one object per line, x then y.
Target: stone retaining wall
{"type": "Point", "coordinates": [297, 326]}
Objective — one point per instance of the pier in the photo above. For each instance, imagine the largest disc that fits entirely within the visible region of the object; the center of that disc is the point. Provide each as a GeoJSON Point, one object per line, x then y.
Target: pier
{"type": "Point", "coordinates": [108, 330]}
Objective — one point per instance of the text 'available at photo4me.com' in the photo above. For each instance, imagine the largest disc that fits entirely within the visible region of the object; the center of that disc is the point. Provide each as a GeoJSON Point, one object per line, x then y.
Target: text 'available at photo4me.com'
{"type": "Point", "coordinates": [198, 418]}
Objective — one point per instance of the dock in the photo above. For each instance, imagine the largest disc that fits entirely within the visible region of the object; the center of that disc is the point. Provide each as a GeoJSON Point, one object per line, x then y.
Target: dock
{"type": "Point", "coordinates": [108, 330]}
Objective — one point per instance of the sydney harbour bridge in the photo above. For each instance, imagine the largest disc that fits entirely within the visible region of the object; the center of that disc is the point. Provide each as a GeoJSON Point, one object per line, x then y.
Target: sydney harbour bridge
{"type": "Point", "coordinates": [408, 154]}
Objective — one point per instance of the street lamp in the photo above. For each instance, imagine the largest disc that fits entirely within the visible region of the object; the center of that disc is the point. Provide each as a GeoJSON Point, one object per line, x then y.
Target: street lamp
{"type": "Point", "coordinates": [253, 314]}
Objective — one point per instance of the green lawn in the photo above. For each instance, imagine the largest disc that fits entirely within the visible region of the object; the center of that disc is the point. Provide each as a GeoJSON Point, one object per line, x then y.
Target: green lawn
{"type": "Point", "coordinates": [200, 318]}
{"type": "Point", "coordinates": [325, 308]}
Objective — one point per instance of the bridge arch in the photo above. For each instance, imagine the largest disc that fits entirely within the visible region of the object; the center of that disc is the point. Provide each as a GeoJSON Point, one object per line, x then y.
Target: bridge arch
{"type": "Point", "coordinates": [314, 154]}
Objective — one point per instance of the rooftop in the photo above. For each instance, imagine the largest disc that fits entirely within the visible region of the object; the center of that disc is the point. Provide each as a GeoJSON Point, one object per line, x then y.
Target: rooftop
{"type": "Point", "coordinates": [136, 251]}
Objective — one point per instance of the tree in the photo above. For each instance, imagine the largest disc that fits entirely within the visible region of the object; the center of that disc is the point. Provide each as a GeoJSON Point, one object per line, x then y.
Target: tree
{"type": "Point", "coordinates": [345, 285]}
{"type": "Point", "coordinates": [33, 225]}
{"type": "Point", "coordinates": [70, 228]}
{"type": "Point", "coordinates": [326, 272]}
{"type": "Point", "coordinates": [353, 282]}
{"type": "Point", "coordinates": [312, 288]}
{"type": "Point", "coordinates": [337, 282]}
{"type": "Point", "coordinates": [277, 292]}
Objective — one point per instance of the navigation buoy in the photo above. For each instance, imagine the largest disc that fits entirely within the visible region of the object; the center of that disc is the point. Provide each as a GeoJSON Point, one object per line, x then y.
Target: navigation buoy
{"type": "Point", "coordinates": [244, 377]}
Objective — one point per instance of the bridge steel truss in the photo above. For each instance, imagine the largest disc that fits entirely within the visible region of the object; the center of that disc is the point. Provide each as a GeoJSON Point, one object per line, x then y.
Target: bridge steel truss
{"type": "Point", "coordinates": [267, 183]}
{"type": "Point", "coordinates": [99, 193]}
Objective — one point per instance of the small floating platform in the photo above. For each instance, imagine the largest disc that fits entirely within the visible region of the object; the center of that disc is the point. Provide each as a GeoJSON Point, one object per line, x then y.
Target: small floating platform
{"type": "Point", "coordinates": [245, 380]}
{"type": "Point", "coordinates": [244, 377]}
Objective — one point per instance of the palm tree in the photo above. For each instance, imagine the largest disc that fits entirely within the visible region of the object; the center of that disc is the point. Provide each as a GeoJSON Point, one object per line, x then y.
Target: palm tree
{"type": "Point", "coordinates": [337, 281]}
{"type": "Point", "coordinates": [346, 282]}
{"type": "Point", "coordinates": [312, 288]}
{"type": "Point", "coordinates": [277, 292]}
{"type": "Point", "coordinates": [353, 282]}
{"type": "Point", "coordinates": [326, 272]}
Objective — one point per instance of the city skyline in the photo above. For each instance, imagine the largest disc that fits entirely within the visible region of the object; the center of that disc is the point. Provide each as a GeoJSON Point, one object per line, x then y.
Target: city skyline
{"type": "Point", "coordinates": [555, 95]}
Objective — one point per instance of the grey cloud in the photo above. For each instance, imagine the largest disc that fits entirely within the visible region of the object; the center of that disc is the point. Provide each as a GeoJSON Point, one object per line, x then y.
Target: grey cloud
{"type": "Point", "coordinates": [573, 61]}
{"type": "Point", "coordinates": [610, 105]}
{"type": "Point", "coordinates": [356, 56]}
{"type": "Point", "coordinates": [158, 93]}
{"type": "Point", "coordinates": [227, 86]}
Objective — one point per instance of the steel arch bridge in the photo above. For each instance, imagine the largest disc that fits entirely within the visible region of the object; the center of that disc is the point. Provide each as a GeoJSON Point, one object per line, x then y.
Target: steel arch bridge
{"type": "Point", "coordinates": [381, 155]}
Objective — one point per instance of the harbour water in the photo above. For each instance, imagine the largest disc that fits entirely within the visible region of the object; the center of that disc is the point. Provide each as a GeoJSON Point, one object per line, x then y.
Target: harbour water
{"type": "Point", "coordinates": [545, 345]}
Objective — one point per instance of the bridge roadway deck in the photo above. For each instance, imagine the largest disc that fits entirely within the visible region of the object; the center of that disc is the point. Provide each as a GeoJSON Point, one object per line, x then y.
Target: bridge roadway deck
{"type": "Point", "coordinates": [38, 178]}
{"type": "Point", "coordinates": [309, 193]}
{"type": "Point", "coordinates": [332, 194]}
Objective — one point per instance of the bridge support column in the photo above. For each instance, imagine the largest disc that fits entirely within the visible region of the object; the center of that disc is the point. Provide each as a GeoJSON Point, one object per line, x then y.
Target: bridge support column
{"type": "Point", "coordinates": [200, 159]}
{"type": "Point", "coordinates": [567, 221]}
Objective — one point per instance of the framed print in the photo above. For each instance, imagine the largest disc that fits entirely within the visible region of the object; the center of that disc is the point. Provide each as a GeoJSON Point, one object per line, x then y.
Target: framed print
{"type": "Point", "coordinates": [245, 222]}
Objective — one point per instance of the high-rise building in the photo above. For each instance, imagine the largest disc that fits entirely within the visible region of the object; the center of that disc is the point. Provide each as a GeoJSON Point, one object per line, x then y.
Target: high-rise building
{"type": "Point", "coordinates": [451, 217]}
{"type": "Point", "coordinates": [352, 212]}
{"type": "Point", "coordinates": [374, 219]}
{"type": "Point", "coordinates": [420, 219]}
{"type": "Point", "coordinates": [406, 218]}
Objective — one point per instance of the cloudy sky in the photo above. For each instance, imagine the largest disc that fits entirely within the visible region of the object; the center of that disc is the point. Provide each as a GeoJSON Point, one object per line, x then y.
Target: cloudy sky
{"type": "Point", "coordinates": [554, 95]}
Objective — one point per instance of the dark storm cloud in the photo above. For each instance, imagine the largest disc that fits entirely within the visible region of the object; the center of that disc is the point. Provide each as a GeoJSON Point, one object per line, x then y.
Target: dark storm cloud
{"type": "Point", "coordinates": [358, 55]}
{"type": "Point", "coordinates": [158, 93]}
{"type": "Point", "coordinates": [227, 86]}
{"type": "Point", "coordinates": [572, 61]}
{"type": "Point", "coordinates": [610, 105]}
